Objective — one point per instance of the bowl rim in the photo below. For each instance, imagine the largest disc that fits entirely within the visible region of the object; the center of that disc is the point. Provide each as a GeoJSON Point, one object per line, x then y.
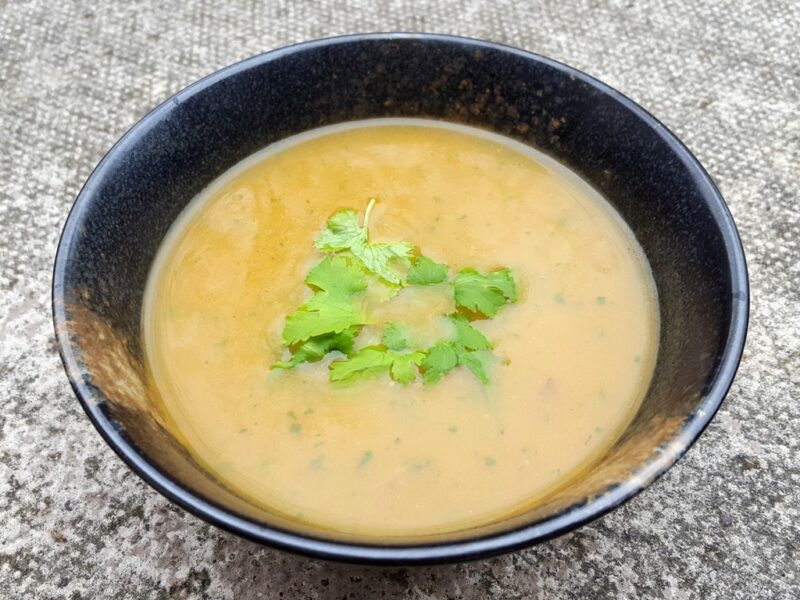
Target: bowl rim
{"type": "Point", "coordinates": [425, 552]}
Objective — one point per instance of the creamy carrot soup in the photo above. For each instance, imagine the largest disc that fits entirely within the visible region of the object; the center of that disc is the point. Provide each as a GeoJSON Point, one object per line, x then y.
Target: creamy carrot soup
{"type": "Point", "coordinates": [480, 342]}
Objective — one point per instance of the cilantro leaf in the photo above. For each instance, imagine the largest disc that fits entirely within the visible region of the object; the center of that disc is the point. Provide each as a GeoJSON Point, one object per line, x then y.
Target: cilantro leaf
{"type": "Point", "coordinates": [315, 348]}
{"type": "Point", "coordinates": [375, 359]}
{"type": "Point", "coordinates": [394, 337]}
{"type": "Point", "coordinates": [484, 294]}
{"type": "Point", "coordinates": [424, 271]}
{"type": "Point", "coordinates": [403, 366]}
{"type": "Point", "coordinates": [476, 362]}
{"type": "Point", "coordinates": [365, 362]}
{"type": "Point", "coordinates": [318, 316]}
{"type": "Point", "coordinates": [333, 308]}
{"type": "Point", "coordinates": [377, 258]}
{"type": "Point", "coordinates": [440, 360]}
{"type": "Point", "coordinates": [467, 335]}
{"type": "Point", "coordinates": [467, 350]}
{"type": "Point", "coordinates": [338, 277]}
{"type": "Point", "coordinates": [343, 233]}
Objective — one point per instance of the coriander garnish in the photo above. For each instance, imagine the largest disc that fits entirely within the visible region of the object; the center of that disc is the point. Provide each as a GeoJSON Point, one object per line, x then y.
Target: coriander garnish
{"type": "Point", "coordinates": [332, 319]}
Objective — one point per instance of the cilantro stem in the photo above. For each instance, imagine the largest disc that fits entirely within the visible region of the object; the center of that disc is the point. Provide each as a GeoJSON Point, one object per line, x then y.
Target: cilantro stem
{"type": "Point", "coordinates": [367, 212]}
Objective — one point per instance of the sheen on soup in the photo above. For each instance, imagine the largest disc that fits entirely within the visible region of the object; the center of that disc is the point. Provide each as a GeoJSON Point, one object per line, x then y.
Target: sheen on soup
{"type": "Point", "coordinates": [399, 327]}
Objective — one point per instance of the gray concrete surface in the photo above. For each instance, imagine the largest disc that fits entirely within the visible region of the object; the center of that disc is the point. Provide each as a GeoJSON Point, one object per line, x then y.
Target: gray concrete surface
{"type": "Point", "coordinates": [75, 523]}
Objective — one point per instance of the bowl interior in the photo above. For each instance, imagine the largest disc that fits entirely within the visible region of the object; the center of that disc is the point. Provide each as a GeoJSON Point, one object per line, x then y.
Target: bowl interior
{"type": "Point", "coordinates": [142, 185]}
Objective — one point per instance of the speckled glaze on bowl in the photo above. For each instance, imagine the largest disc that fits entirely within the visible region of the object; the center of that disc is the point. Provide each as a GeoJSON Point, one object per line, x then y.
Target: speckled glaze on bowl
{"type": "Point", "coordinates": [143, 183]}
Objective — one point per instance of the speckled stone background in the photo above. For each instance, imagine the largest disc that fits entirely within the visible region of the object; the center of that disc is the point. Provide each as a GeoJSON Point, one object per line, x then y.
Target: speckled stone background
{"type": "Point", "coordinates": [75, 523]}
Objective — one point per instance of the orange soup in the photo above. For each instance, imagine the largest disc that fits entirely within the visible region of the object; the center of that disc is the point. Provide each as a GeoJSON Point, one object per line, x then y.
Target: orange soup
{"type": "Point", "coordinates": [399, 448]}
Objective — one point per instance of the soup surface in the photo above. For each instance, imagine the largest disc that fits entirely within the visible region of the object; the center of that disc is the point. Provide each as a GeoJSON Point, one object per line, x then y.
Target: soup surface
{"type": "Point", "coordinates": [375, 457]}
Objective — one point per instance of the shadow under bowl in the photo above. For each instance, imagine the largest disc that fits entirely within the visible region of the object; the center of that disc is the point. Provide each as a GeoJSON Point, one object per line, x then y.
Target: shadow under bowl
{"type": "Point", "coordinates": [671, 204]}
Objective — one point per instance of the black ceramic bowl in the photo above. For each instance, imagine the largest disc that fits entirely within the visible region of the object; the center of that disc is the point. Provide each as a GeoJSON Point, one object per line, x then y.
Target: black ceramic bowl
{"type": "Point", "coordinates": [148, 177]}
